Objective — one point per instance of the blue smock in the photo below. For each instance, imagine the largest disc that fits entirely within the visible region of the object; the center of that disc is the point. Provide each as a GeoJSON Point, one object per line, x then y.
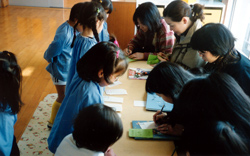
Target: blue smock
{"type": "Point", "coordinates": [7, 122]}
{"type": "Point", "coordinates": [104, 34]}
{"type": "Point", "coordinates": [59, 52]}
{"type": "Point", "coordinates": [79, 94]}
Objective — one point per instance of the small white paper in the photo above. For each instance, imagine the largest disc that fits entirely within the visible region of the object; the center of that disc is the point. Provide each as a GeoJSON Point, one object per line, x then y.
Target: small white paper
{"type": "Point", "coordinates": [115, 107]}
{"type": "Point", "coordinates": [115, 84]}
{"type": "Point", "coordinates": [119, 114]}
{"type": "Point", "coordinates": [148, 125]}
{"type": "Point", "coordinates": [115, 91]}
{"type": "Point", "coordinates": [140, 103]}
{"type": "Point", "coordinates": [112, 99]}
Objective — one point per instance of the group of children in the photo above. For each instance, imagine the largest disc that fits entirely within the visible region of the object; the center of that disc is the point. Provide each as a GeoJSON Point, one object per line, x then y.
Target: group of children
{"type": "Point", "coordinates": [201, 73]}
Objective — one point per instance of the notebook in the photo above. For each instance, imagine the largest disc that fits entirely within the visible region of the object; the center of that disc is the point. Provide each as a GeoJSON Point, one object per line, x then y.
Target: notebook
{"type": "Point", "coordinates": [155, 103]}
{"type": "Point", "coordinates": [156, 135]}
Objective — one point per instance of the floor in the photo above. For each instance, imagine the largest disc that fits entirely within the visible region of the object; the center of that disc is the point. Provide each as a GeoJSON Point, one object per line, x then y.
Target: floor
{"type": "Point", "coordinates": [27, 32]}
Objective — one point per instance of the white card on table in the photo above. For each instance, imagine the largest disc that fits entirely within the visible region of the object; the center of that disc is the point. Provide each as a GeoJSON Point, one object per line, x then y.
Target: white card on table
{"type": "Point", "coordinates": [112, 99]}
{"type": "Point", "coordinates": [115, 91]}
{"type": "Point", "coordinates": [140, 103]}
{"type": "Point", "coordinates": [115, 107]}
{"type": "Point", "coordinates": [148, 125]}
{"type": "Point", "coordinates": [115, 84]}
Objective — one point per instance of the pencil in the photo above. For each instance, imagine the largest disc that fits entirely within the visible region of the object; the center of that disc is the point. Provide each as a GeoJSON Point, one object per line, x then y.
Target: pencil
{"type": "Point", "coordinates": [162, 109]}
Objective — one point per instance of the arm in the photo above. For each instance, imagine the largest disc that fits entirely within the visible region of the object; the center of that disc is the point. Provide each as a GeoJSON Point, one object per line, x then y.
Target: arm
{"type": "Point", "coordinates": [166, 40]}
{"type": "Point", "coordinates": [136, 42]}
{"type": "Point", "coordinates": [55, 48]}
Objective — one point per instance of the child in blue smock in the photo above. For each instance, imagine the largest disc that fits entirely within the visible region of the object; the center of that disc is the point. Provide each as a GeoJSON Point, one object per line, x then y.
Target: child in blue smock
{"type": "Point", "coordinates": [95, 120]}
{"type": "Point", "coordinates": [99, 67]}
{"type": "Point", "coordinates": [10, 102]}
{"type": "Point", "coordinates": [58, 55]}
{"type": "Point", "coordinates": [108, 7]}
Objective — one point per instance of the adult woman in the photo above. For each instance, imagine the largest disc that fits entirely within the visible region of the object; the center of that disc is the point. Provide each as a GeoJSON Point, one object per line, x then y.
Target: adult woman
{"type": "Point", "coordinates": [153, 33]}
{"type": "Point", "coordinates": [216, 46]}
{"type": "Point", "coordinates": [167, 80]}
{"type": "Point", "coordinates": [215, 113]}
{"type": "Point", "coordinates": [184, 21]}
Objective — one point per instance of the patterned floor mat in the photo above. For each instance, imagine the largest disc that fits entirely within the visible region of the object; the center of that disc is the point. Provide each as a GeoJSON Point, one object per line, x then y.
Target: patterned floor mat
{"type": "Point", "coordinates": [34, 138]}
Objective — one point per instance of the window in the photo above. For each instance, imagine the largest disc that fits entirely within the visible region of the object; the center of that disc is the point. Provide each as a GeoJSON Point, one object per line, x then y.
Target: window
{"type": "Point", "coordinates": [238, 21]}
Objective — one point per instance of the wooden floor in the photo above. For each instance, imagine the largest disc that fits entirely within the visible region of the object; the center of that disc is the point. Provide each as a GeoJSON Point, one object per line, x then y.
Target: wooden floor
{"type": "Point", "coordinates": [27, 32]}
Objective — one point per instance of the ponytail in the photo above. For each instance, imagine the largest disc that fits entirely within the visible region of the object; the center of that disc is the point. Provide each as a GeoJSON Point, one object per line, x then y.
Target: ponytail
{"type": "Point", "coordinates": [72, 44]}
{"type": "Point", "coordinates": [197, 12]}
{"type": "Point", "coordinates": [93, 27]}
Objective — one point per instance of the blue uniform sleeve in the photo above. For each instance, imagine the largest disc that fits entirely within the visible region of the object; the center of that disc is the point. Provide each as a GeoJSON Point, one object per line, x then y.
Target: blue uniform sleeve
{"type": "Point", "coordinates": [56, 47]}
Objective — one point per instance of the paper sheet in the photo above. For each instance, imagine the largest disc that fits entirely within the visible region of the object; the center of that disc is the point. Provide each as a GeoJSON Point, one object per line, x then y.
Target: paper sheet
{"type": "Point", "coordinates": [140, 103]}
{"type": "Point", "coordinates": [115, 91]}
{"type": "Point", "coordinates": [148, 125]}
{"type": "Point", "coordinates": [115, 107]}
{"type": "Point", "coordinates": [115, 84]}
{"type": "Point", "coordinates": [144, 133]}
{"type": "Point", "coordinates": [112, 99]}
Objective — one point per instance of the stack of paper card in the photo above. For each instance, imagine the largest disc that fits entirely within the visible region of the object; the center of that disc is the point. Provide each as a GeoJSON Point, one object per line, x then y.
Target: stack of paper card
{"type": "Point", "coordinates": [148, 125]}
{"type": "Point", "coordinates": [115, 91]}
{"type": "Point", "coordinates": [112, 99]}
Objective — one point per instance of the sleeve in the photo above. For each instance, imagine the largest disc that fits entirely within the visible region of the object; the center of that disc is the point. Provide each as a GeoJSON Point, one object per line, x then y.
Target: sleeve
{"type": "Point", "coordinates": [137, 41]}
{"type": "Point", "coordinates": [166, 40]}
{"type": "Point", "coordinates": [55, 48]}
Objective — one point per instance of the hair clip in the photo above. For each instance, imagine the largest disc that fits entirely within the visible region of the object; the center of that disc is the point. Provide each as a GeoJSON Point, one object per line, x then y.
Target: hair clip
{"type": "Point", "coordinates": [117, 53]}
{"type": "Point", "coordinates": [100, 1]}
{"type": "Point", "coordinates": [98, 10]}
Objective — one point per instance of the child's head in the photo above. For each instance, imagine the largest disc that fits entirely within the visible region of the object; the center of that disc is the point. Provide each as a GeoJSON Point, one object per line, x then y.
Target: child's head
{"type": "Point", "coordinates": [92, 15]}
{"type": "Point", "coordinates": [97, 127]}
{"type": "Point", "coordinates": [177, 14]}
{"type": "Point", "coordinates": [213, 37]}
{"type": "Point", "coordinates": [167, 79]}
{"type": "Point", "coordinates": [10, 81]}
{"type": "Point", "coordinates": [106, 4]}
{"type": "Point", "coordinates": [75, 12]}
{"type": "Point", "coordinates": [147, 17]}
{"type": "Point", "coordinates": [103, 63]}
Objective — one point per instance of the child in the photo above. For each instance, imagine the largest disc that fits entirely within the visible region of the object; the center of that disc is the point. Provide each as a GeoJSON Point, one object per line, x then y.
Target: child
{"type": "Point", "coordinates": [99, 67]}
{"type": "Point", "coordinates": [108, 7]}
{"type": "Point", "coordinates": [184, 21]}
{"type": "Point", "coordinates": [10, 102]}
{"type": "Point", "coordinates": [153, 33]}
{"type": "Point", "coordinates": [215, 113]}
{"type": "Point", "coordinates": [215, 44]}
{"type": "Point", "coordinates": [166, 80]}
{"type": "Point", "coordinates": [58, 55]}
{"type": "Point", "coordinates": [96, 128]}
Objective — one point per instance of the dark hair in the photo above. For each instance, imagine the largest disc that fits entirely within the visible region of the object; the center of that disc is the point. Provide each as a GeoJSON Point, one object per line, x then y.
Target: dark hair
{"type": "Point", "coordinates": [149, 15]}
{"type": "Point", "coordinates": [89, 14]}
{"type": "Point", "coordinates": [97, 127]}
{"type": "Point", "coordinates": [106, 4]}
{"type": "Point", "coordinates": [75, 12]}
{"type": "Point", "coordinates": [168, 79]}
{"type": "Point", "coordinates": [10, 82]}
{"type": "Point", "coordinates": [213, 37]}
{"type": "Point", "coordinates": [217, 97]}
{"type": "Point", "coordinates": [104, 55]}
{"type": "Point", "coordinates": [178, 9]}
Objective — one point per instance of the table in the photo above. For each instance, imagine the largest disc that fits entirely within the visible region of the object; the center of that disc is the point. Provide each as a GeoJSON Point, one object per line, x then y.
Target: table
{"type": "Point", "coordinates": [136, 91]}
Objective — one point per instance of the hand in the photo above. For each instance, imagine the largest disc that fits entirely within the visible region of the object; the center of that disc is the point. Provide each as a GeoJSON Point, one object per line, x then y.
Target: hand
{"type": "Point", "coordinates": [162, 57]}
{"type": "Point", "coordinates": [157, 117]}
{"type": "Point", "coordinates": [109, 152]}
{"type": "Point", "coordinates": [177, 130]}
{"type": "Point", "coordinates": [137, 56]}
{"type": "Point", "coordinates": [127, 51]}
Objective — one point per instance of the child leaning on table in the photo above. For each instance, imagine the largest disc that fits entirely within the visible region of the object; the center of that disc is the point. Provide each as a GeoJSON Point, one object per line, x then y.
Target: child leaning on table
{"type": "Point", "coordinates": [96, 128]}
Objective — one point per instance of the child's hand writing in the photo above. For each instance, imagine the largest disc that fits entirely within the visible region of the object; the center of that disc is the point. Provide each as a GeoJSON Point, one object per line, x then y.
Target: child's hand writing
{"type": "Point", "coordinates": [109, 152]}
{"type": "Point", "coordinates": [157, 117]}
